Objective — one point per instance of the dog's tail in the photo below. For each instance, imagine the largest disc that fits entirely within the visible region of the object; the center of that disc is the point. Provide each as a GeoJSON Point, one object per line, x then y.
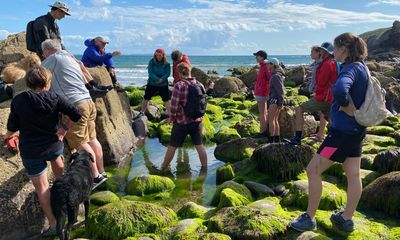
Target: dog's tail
{"type": "Point", "coordinates": [58, 202]}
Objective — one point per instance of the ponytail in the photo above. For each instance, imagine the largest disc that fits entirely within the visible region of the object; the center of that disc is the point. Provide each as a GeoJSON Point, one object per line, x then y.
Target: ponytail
{"type": "Point", "coordinates": [356, 46]}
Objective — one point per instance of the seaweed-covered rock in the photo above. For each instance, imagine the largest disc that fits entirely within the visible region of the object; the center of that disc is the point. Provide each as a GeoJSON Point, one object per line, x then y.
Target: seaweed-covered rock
{"type": "Point", "coordinates": [228, 85]}
{"type": "Point", "coordinates": [235, 150]}
{"type": "Point", "coordinates": [268, 203]}
{"type": "Point", "coordinates": [296, 74]}
{"type": "Point", "coordinates": [296, 100]}
{"type": "Point", "coordinates": [259, 190]}
{"type": "Point", "coordinates": [153, 111]}
{"type": "Point", "coordinates": [148, 236]}
{"type": "Point", "coordinates": [226, 134]}
{"type": "Point", "coordinates": [225, 173]}
{"type": "Point", "coordinates": [238, 188]}
{"type": "Point", "coordinates": [383, 194]}
{"type": "Point", "coordinates": [288, 126]}
{"type": "Point", "coordinates": [247, 127]}
{"type": "Point", "coordinates": [103, 198]}
{"type": "Point", "coordinates": [135, 97]}
{"type": "Point", "coordinates": [312, 236]}
{"type": "Point", "coordinates": [214, 113]}
{"type": "Point", "coordinates": [374, 144]}
{"type": "Point", "coordinates": [282, 161]}
{"type": "Point", "coordinates": [230, 198]}
{"type": "Point", "coordinates": [380, 130]}
{"type": "Point", "coordinates": [148, 184]}
{"type": "Point", "coordinates": [122, 219]}
{"type": "Point", "coordinates": [214, 236]}
{"type": "Point", "coordinates": [187, 229]}
{"type": "Point", "coordinates": [332, 198]}
{"type": "Point", "coordinates": [164, 132]}
{"type": "Point", "coordinates": [192, 210]}
{"type": "Point", "coordinates": [387, 161]}
{"type": "Point", "coordinates": [248, 223]}
{"type": "Point", "coordinates": [336, 170]}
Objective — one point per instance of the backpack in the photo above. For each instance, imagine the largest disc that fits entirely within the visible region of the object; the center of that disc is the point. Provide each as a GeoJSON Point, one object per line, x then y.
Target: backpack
{"type": "Point", "coordinates": [6, 92]}
{"type": "Point", "coordinates": [30, 37]}
{"type": "Point", "coordinates": [196, 100]}
{"type": "Point", "coordinates": [373, 111]}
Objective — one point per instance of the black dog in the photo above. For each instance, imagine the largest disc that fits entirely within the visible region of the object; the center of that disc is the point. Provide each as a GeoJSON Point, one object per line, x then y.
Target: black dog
{"type": "Point", "coordinates": [70, 190]}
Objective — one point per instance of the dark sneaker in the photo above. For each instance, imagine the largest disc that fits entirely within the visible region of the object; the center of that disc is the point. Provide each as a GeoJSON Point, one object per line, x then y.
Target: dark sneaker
{"type": "Point", "coordinates": [260, 135]}
{"type": "Point", "coordinates": [98, 180]}
{"type": "Point", "coordinates": [139, 115]}
{"type": "Point", "coordinates": [295, 141]}
{"type": "Point", "coordinates": [304, 223]}
{"type": "Point", "coordinates": [104, 174]}
{"type": "Point", "coordinates": [50, 232]}
{"type": "Point", "coordinates": [105, 87]}
{"type": "Point", "coordinates": [344, 225]}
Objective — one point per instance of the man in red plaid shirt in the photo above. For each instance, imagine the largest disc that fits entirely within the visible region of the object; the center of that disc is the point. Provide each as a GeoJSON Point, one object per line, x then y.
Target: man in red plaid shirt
{"type": "Point", "coordinates": [182, 124]}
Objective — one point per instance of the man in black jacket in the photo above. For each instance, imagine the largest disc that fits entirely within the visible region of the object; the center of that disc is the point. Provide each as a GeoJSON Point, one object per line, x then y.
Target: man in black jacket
{"type": "Point", "coordinates": [45, 26]}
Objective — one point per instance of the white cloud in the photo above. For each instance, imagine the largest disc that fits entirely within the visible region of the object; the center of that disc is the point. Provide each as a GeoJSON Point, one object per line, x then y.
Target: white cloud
{"type": "Point", "coordinates": [4, 34]}
{"type": "Point", "coordinates": [384, 2]}
{"type": "Point", "coordinates": [100, 2]}
{"type": "Point", "coordinates": [76, 2]}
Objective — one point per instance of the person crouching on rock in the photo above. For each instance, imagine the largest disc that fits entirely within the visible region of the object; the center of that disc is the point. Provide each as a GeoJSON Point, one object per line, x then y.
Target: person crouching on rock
{"type": "Point", "coordinates": [95, 55]}
{"type": "Point", "coordinates": [261, 91]}
{"type": "Point", "coordinates": [275, 102]}
{"type": "Point", "coordinates": [344, 141]}
{"type": "Point", "coordinates": [35, 114]}
{"type": "Point", "coordinates": [68, 82]}
{"type": "Point", "coordinates": [183, 124]}
{"type": "Point", "coordinates": [157, 85]}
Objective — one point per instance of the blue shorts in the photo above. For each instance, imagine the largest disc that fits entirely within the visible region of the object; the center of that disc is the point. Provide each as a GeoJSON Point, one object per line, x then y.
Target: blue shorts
{"type": "Point", "coordinates": [38, 166]}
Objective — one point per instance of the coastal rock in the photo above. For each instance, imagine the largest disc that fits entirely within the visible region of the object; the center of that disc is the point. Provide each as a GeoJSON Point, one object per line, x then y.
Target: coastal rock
{"type": "Point", "coordinates": [230, 198]}
{"type": "Point", "coordinates": [268, 204]}
{"type": "Point", "coordinates": [135, 96]}
{"type": "Point", "coordinates": [238, 188]}
{"type": "Point", "coordinates": [296, 75]}
{"type": "Point", "coordinates": [226, 134]}
{"type": "Point", "coordinates": [113, 122]}
{"type": "Point", "coordinates": [13, 49]}
{"type": "Point", "coordinates": [225, 173]}
{"type": "Point", "coordinates": [259, 190]}
{"type": "Point", "coordinates": [187, 229]}
{"type": "Point", "coordinates": [393, 97]}
{"type": "Point", "coordinates": [192, 210]}
{"type": "Point", "coordinates": [249, 78]}
{"type": "Point", "coordinates": [247, 127]}
{"type": "Point", "coordinates": [228, 85]}
{"type": "Point", "coordinates": [387, 161]}
{"type": "Point", "coordinates": [378, 66]}
{"type": "Point", "coordinates": [287, 124]}
{"type": "Point", "coordinates": [214, 113]}
{"type": "Point", "coordinates": [311, 236]}
{"type": "Point", "coordinates": [123, 219]}
{"type": "Point", "coordinates": [238, 71]}
{"type": "Point", "coordinates": [332, 198]}
{"type": "Point", "coordinates": [200, 76]}
{"type": "Point", "coordinates": [274, 159]}
{"type": "Point", "coordinates": [103, 198]}
{"type": "Point", "coordinates": [153, 111]}
{"type": "Point", "coordinates": [235, 150]}
{"type": "Point", "coordinates": [142, 185]}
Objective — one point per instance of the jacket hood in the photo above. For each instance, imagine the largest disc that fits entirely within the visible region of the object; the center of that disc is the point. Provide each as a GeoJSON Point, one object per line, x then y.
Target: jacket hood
{"type": "Point", "coordinates": [89, 42]}
{"type": "Point", "coordinates": [43, 102]}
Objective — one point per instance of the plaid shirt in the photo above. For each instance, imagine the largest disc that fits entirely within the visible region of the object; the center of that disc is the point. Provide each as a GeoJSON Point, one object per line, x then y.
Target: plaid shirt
{"type": "Point", "coordinates": [179, 99]}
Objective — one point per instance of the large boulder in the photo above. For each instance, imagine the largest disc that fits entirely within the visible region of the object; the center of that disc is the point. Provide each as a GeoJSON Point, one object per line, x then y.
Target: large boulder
{"type": "Point", "coordinates": [235, 150]}
{"type": "Point", "coordinates": [383, 194]}
{"type": "Point", "coordinates": [225, 173]}
{"type": "Point", "coordinates": [124, 219]}
{"type": "Point", "coordinates": [393, 97]}
{"type": "Point", "coordinates": [192, 210]}
{"type": "Point", "coordinates": [282, 161]}
{"type": "Point", "coordinates": [200, 76]}
{"type": "Point", "coordinates": [13, 49]}
{"type": "Point", "coordinates": [226, 134]}
{"type": "Point", "coordinates": [230, 198]}
{"type": "Point", "coordinates": [247, 127]}
{"type": "Point", "coordinates": [236, 187]}
{"type": "Point", "coordinates": [287, 123]}
{"type": "Point", "coordinates": [228, 85]}
{"type": "Point", "coordinates": [103, 198]}
{"type": "Point", "coordinates": [296, 75]}
{"type": "Point", "coordinates": [250, 78]}
{"type": "Point", "coordinates": [387, 161]}
{"type": "Point", "coordinates": [113, 122]}
{"type": "Point", "coordinates": [148, 184]}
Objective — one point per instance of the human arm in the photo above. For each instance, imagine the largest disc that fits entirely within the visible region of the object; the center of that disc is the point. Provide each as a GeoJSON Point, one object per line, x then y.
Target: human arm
{"type": "Point", "coordinates": [341, 91]}
{"type": "Point", "coordinates": [72, 115]}
{"type": "Point", "coordinates": [153, 78]}
{"type": "Point", "coordinates": [92, 54]}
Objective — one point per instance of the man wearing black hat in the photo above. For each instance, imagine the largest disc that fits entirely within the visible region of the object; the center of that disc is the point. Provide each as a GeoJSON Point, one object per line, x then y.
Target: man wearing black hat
{"type": "Point", "coordinates": [45, 26]}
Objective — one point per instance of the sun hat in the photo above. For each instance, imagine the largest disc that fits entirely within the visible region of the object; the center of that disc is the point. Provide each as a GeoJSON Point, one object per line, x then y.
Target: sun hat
{"type": "Point", "coordinates": [327, 46]}
{"type": "Point", "coordinates": [274, 61]}
{"type": "Point", "coordinates": [261, 53]}
{"type": "Point", "coordinates": [62, 6]}
{"type": "Point", "coordinates": [101, 39]}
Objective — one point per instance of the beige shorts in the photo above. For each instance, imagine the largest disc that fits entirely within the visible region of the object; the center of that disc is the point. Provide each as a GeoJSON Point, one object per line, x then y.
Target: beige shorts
{"type": "Point", "coordinates": [84, 130]}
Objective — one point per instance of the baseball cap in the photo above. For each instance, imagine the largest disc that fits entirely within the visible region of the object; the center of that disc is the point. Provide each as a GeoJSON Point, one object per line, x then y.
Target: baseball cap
{"type": "Point", "coordinates": [161, 51]}
{"type": "Point", "coordinates": [327, 46]}
{"type": "Point", "coordinates": [101, 39]}
{"type": "Point", "coordinates": [62, 6]}
{"type": "Point", "coordinates": [261, 53]}
{"type": "Point", "coordinates": [274, 61]}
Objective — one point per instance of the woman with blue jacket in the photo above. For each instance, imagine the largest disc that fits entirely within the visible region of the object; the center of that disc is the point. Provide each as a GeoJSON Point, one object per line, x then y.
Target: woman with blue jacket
{"type": "Point", "coordinates": [157, 85]}
{"type": "Point", "coordinates": [344, 141]}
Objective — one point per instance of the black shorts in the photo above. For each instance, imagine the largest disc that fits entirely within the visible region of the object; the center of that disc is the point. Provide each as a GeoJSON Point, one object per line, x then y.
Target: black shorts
{"type": "Point", "coordinates": [338, 146]}
{"type": "Point", "coordinates": [276, 101]}
{"type": "Point", "coordinates": [152, 91]}
{"type": "Point", "coordinates": [180, 131]}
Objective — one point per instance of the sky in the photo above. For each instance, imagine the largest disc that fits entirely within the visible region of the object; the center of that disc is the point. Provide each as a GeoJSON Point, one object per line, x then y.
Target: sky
{"type": "Point", "coordinates": [206, 27]}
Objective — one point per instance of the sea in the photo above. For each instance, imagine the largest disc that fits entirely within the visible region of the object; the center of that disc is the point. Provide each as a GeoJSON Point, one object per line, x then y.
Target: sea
{"type": "Point", "coordinates": [132, 69]}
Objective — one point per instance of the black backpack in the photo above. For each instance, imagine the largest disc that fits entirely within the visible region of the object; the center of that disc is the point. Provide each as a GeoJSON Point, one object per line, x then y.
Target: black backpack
{"type": "Point", "coordinates": [6, 92]}
{"type": "Point", "coordinates": [197, 100]}
{"type": "Point", "coordinates": [30, 37]}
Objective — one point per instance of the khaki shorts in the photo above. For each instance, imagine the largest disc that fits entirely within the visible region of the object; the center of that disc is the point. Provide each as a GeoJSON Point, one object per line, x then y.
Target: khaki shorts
{"type": "Point", "coordinates": [84, 130]}
{"type": "Point", "coordinates": [313, 106]}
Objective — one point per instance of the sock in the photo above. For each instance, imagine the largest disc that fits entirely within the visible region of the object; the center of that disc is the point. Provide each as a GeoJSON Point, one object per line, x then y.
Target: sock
{"type": "Point", "coordinates": [271, 139]}
{"type": "Point", "coordinates": [277, 139]}
{"type": "Point", "coordinates": [299, 134]}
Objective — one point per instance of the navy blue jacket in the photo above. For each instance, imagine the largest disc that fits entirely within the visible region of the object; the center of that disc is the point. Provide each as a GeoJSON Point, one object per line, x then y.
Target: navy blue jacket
{"type": "Point", "coordinates": [92, 57]}
{"type": "Point", "coordinates": [353, 81]}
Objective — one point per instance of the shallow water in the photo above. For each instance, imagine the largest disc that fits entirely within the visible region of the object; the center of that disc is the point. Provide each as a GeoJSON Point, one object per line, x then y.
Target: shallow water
{"type": "Point", "coordinates": [185, 168]}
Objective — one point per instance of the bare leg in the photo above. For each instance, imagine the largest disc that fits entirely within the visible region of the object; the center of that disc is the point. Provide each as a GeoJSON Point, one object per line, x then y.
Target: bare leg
{"type": "Point", "coordinates": [276, 120]}
{"type": "Point", "coordinates": [98, 152]}
{"type": "Point", "coordinates": [315, 168]}
{"type": "Point", "coordinates": [271, 119]}
{"type": "Point", "coordinates": [145, 104]}
{"type": "Point", "coordinates": [202, 155]}
{"type": "Point", "coordinates": [322, 126]}
{"type": "Point", "coordinates": [57, 166]}
{"type": "Point", "coordinates": [89, 149]}
{"type": "Point", "coordinates": [169, 155]}
{"type": "Point", "coordinates": [41, 185]}
{"type": "Point", "coordinates": [351, 167]}
{"type": "Point", "coordinates": [299, 119]}
{"type": "Point", "coordinates": [262, 109]}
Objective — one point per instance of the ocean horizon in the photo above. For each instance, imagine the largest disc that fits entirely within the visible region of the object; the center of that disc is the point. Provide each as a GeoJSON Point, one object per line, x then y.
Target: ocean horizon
{"type": "Point", "coordinates": [132, 69]}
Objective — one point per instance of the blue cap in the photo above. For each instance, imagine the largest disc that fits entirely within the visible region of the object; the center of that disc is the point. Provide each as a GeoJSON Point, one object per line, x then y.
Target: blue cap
{"type": "Point", "coordinates": [327, 46]}
{"type": "Point", "coordinates": [274, 61]}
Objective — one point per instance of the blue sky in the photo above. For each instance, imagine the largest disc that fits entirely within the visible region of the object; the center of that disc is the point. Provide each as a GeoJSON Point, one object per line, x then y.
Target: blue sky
{"type": "Point", "coordinates": [206, 27]}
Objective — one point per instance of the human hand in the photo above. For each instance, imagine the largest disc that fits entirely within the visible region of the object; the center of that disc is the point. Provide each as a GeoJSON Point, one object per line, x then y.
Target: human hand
{"type": "Point", "coordinates": [170, 121]}
{"type": "Point", "coordinates": [61, 132]}
{"type": "Point", "coordinates": [111, 71]}
{"type": "Point", "coordinates": [159, 81]}
{"type": "Point", "coordinates": [348, 110]}
{"type": "Point", "coordinates": [116, 53]}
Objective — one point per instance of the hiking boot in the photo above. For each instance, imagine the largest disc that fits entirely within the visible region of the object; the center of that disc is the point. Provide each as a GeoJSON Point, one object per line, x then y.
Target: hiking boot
{"type": "Point", "coordinates": [98, 181]}
{"type": "Point", "coordinates": [344, 225]}
{"type": "Point", "coordinates": [304, 223]}
{"type": "Point", "coordinates": [260, 135]}
{"type": "Point", "coordinates": [50, 232]}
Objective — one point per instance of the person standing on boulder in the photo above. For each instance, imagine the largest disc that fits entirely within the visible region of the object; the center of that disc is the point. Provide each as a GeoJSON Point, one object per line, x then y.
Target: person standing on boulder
{"type": "Point", "coordinates": [261, 91]}
{"type": "Point", "coordinates": [157, 85]}
{"type": "Point", "coordinates": [45, 27]}
{"type": "Point", "coordinates": [178, 57]}
{"type": "Point", "coordinates": [326, 76]}
{"type": "Point", "coordinates": [183, 124]}
{"type": "Point", "coordinates": [344, 142]}
{"type": "Point", "coordinates": [68, 82]}
{"type": "Point", "coordinates": [276, 97]}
